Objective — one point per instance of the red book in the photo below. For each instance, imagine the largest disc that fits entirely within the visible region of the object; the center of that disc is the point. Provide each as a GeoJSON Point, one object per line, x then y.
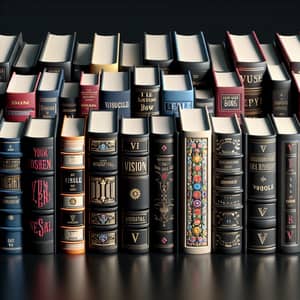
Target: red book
{"type": "Point", "coordinates": [228, 84]}
{"type": "Point", "coordinates": [89, 93]}
{"type": "Point", "coordinates": [21, 97]}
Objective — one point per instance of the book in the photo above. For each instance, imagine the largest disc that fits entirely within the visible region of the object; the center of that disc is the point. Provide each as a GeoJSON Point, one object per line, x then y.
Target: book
{"type": "Point", "coordinates": [295, 91]}
{"type": "Point", "coordinates": [145, 91]}
{"type": "Point", "coordinates": [195, 201]}
{"type": "Point", "coordinates": [135, 184]}
{"type": "Point", "coordinates": [249, 59]}
{"type": "Point", "coordinates": [69, 99]}
{"type": "Point", "coordinates": [277, 83]}
{"type": "Point", "coordinates": [191, 54]}
{"type": "Point", "coordinates": [158, 50]}
{"type": "Point", "coordinates": [105, 53]}
{"type": "Point", "coordinates": [48, 92]}
{"type": "Point", "coordinates": [11, 204]}
{"type": "Point", "coordinates": [72, 186]}
{"type": "Point", "coordinates": [57, 53]}
{"type": "Point", "coordinates": [102, 181]}
{"type": "Point", "coordinates": [163, 195]}
{"type": "Point", "coordinates": [130, 56]}
{"type": "Point", "coordinates": [288, 143]}
{"type": "Point", "coordinates": [82, 60]}
{"type": "Point", "coordinates": [228, 84]}
{"type": "Point", "coordinates": [289, 45]}
{"type": "Point", "coordinates": [21, 97]}
{"type": "Point", "coordinates": [89, 93]}
{"type": "Point", "coordinates": [10, 46]}
{"type": "Point", "coordinates": [205, 97]}
{"type": "Point", "coordinates": [227, 179]}
{"type": "Point", "coordinates": [260, 185]}
{"type": "Point", "coordinates": [115, 92]}
{"type": "Point", "coordinates": [39, 148]}
{"type": "Point", "coordinates": [3, 88]}
{"type": "Point", "coordinates": [27, 59]}
{"type": "Point", "coordinates": [176, 92]}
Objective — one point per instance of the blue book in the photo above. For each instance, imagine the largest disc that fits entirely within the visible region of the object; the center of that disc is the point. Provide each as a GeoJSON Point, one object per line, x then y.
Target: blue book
{"type": "Point", "coordinates": [48, 94]}
{"type": "Point", "coordinates": [11, 240]}
{"type": "Point", "coordinates": [10, 138]}
{"type": "Point", "coordinates": [177, 91]}
{"type": "Point", "coordinates": [115, 93]}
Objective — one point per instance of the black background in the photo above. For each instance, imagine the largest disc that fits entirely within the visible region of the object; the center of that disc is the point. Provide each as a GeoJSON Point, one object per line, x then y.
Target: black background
{"type": "Point", "coordinates": [149, 276]}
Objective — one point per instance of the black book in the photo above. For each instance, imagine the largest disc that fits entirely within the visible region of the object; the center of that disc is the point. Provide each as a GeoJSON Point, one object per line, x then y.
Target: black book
{"type": "Point", "coordinates": [82, 60]}
{"type": "Point", "coordinates": [69, 99]}
{"type": "Point", "coordinates": [102, 181]}
{"type": "Point", "coordinates": [39, 148]}
{"type": "Point", "coordinates": [11, 225]}
{"type": "Point", "coordinates": [260, 185]}
{"type": "Point", "coordinates": [134, 184]}
{"type": "Point", "coordinates": [205, 97]}
{"type": "Point", "coordinates": [228, 185]}
{"type": "Point", "coordinates": [164, 199]}
{"type": "Point", "coordinates": [288, 192]}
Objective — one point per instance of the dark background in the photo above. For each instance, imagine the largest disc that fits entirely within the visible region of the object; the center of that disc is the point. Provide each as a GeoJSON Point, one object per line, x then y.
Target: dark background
{"type": "Point", "coordinates": [149, 276]}
{"type": "Point", "coordinates": [132, 17]}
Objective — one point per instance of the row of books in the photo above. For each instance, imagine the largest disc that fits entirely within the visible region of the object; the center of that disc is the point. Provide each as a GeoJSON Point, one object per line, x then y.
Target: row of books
{"type": "Point", "coordinates": [240, 75]}
{"type": "Point", "coordinates": [197, 183]}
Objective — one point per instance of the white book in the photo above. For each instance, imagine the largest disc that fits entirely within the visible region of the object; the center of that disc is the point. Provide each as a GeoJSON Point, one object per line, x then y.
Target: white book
{"type": "Point", "coordinates": [6, 44]}
{"type": "Point", "coordinates": [115, 81]}
{"type": "Point", "coordinates": [146, 76]}
{"type": "Point", "coordinates": [157, 47]}
{"type": "Point", "coordinates": [21, 83]}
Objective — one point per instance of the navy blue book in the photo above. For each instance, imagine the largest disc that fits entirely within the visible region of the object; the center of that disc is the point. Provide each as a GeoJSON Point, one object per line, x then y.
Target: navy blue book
{"type": "Point", "coordinates": [177, 91]}
{"type": "Point", "coordinates": [48, 93]}
{"type": "Point", "coordinates": [115, 93]}
{"type": "Point", "coordinates": [191, 54]}
{"type": "Point", "coordinates": [10, 187]}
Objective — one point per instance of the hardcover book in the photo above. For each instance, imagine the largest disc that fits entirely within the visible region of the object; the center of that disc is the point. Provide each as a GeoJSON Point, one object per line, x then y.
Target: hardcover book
{"type": "Point", "coordinates": [115, 92]}
{"type": "Point", "coordinates": [296, 92]}
{"type": "Point", "coordinates": [39, 147]}
{"type": "Point", "coordinates": [10, 46]}
{"type": "Point", "coordinates": [145, 91]}
{"type": "Point", "coordinates": [57, 53]}
{"type": "Point", "coordinates": [11, 204]}
{"type": "Point", "coordinates": [21, 97]}
{"type": "Point", "coordinates": [69, 99]}
{"type": "Point", "coordinates": [72, 186]}
{"type": "Point", "coordinates": [105, 53]}
{"type": "Point", "coordinates": [102, 181]}
{"type": "Point", "coordinates": [130, 56]}
{"type": "Point", "coordinates": [195, 159]}
{"type": "Point", "coordinates": [260, 185]}
{"type": "Point", "coordinates": [163, 199]}
{"type": "Point", "coordinates": [288, 145]}
{"type": "Point", "coordinates": [229, 88]}
{"type": "Point", "coordinates": [176, 92]}
{"type": "Point", "coordinates": [27, 59]}
{"type": "Point", "coordinates": [89, 93]}
{"type": "Point", "coordinates": [158, 50]}
{"type": "Point", "coordinates": [135, 184]}
{"type": "Point", "coordinates": [205, 97]}
{"type": "Point", "coordinates": [191, 54]}
{"type": "Point", "coordinates": [289, 46]}
{"type": "Point", "coordinates": [278, 83]}
{"type": "Point", "coordinates": [249, 59]}
{"type": "Point", "coordinates": [82, 60]}
{"type": "Point", "coordinates": [228, 185]}
{"type": "Point", "coordinates": [48, 92]}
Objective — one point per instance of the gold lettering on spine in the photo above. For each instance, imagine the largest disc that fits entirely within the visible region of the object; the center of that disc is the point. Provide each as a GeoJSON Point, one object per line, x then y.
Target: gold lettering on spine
{"type": "Point", "coordinates": [102, 189]}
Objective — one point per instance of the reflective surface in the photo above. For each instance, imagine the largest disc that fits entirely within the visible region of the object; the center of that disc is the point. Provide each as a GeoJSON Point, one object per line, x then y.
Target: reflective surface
{"type": "Point", "coordinates": [149, 277]}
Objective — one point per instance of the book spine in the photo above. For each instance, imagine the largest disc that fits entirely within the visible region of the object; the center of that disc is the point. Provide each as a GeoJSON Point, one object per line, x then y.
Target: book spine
{"type": "Point", "coordinates": [11, 213]}
{"type": "Point", "coordinates": [47, 105]}
{"type": "Point", "coordinates": [40, 191]}
{"type": "Point", "coordinates": [89, 99]}
{"type": "Point", "coordinates": [288, 194]}
{"type": "Point", "coordinates": [146, 101]}
{"type": "Point", "coordinates": [19, 115]}
{"type": "Point", "coordinates": [260, 184]}
{"type": "Point", "coordinates": [228, 193]}
{"type": "Point", "coordinates": [102, 193]}
{"type": "Point", "coordinates": [163, 181]}
{"type": "Point", "coordinates": [252, 79]}
{"type": "Point", "coordinates": [196, 194]}
{"type": "Point", "coordinates": [171, 101]}
{"type": "Point", "coordinates": [72, 196]}
{"type": "Point", "coordinates": [117, 101]}
{"type": "Point", "coordinates": [135, 187]}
